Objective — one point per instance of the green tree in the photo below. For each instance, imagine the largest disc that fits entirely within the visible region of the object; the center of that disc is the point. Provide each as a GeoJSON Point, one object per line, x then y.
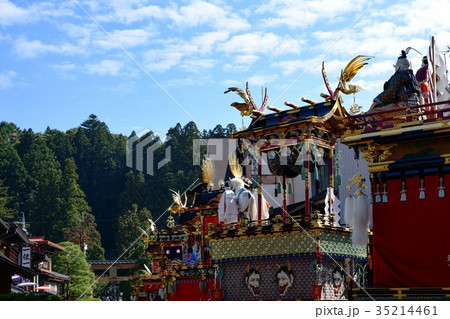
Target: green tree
{"type": "Point", "coordinates": [72, 262]}
{"type": "Point", "coordinates": [60, 143]}
{"type": "Point", "coordinates": [135, 191]}
{"type": "Point", "coordinates": [218, 131]}
{"type": "Point", "coordinates": [5, 213]}
{"type": "Point", "coordinates": [13, 172]}
{"type": "Point", "coordinates": [138, 268]}
{"type": "Point", "coordinates": [130, 227]}
{"type": "Point", "coordinates": [78, 223]}
{"type": "Point", "coordinates": [230, 129]}
{"type": "Point", "coordinates": [43, 202]}
{"type": "Point", "coordinates": [102, 174]}
{"type": "Point", "coordinates": [9, 132]}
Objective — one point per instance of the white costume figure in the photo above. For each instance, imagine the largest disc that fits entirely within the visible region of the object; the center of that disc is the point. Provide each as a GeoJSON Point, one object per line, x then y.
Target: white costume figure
{"type": "Point", "coordinates": [228, 209]}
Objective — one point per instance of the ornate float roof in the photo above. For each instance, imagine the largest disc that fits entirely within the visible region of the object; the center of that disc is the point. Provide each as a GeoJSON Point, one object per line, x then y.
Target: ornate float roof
{"type": "Point", "coordinates": [325, 116]}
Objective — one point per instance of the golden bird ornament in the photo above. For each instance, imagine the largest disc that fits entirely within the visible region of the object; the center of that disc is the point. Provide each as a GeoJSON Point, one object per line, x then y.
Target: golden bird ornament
{"type": "Point", "coordinates": [349, 72]}
{"type": "Point", "coordinates": [245, 108]}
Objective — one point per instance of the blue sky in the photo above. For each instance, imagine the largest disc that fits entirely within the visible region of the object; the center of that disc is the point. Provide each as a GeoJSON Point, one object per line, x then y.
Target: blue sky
{"type": "Point", "coordinates": [140, 64]}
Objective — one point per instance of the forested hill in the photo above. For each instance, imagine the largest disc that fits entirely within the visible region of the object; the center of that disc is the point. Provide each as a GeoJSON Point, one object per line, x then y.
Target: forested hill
{"type": "Point", "coordinates": [75, 185]}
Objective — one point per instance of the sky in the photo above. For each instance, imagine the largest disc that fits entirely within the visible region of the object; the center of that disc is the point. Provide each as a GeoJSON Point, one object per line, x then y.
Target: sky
{"type": "Point", "coordinates": [140, 64]}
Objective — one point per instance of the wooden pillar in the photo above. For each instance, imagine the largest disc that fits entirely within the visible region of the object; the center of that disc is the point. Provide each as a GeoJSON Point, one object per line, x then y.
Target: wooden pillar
{"type": "Point", "coordinates": [284, 200]}
{"type": "Point", "coordinates": [259, 179]}
{"type": "Point", "coordinates": [307, 204]}
{"type": "Point", "coordinates": [331, 179]}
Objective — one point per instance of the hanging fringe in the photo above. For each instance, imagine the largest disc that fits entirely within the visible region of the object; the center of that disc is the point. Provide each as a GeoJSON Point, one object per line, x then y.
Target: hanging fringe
{"type": "Point", "coordinates": [172, 287]}
{"type": "Point", "coordinates": [349, 210]}
{"type": "Point", "coordinates": [385, 193]}
{"type": "Point", "coordinates": [441, 188]}
{"type": "Point", "coordinates": [276, 187]}
{"type": "Point", "coordinates": [335, 209]}
{"type": "Point", "coordinates": [203, 286]}
{"type": "Point", "coordinates": [421, 190]}
{"type": "Point", "coordinates": [377, 195]}
{"type": "Point", "coordinates": [360, 233]}
{"type": "Point", "coordinates": [403, 193]}
{"type": "Point", "coordinates": [403, 196]}
{"type": "Point", "coordinates": [338, 180]}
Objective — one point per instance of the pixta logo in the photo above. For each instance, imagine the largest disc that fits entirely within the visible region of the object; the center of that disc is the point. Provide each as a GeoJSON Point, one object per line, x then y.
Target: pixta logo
{"type": "Point", "coordinates": [141, 150]}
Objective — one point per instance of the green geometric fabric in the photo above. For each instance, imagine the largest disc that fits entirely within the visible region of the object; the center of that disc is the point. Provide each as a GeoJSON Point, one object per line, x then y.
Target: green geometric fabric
{"type": "Point", "coordinates": [284, 244]}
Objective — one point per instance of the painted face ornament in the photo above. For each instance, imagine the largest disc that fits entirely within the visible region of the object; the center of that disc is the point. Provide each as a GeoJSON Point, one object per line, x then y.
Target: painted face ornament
{"type": "Point", "coordinates": [338, 279]}
{"type": "Point", "coordinates": [252, 279]}
{"type": "Point", "coordinates": [285, 279]}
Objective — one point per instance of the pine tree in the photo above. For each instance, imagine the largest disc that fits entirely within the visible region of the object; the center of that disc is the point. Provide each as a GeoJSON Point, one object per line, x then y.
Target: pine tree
{"type": "Point", "coordinates": [130, 228]}
{"type": "Point", "coordinates": [10, 132]}
{"type": "Point", "coordinates": [60, 143]}
{"type": "Point", "coordinates": [102, 174]}
{"type": "Point", "coordinates": [77, 222]}
{"type": "Point", "coordinates": [72, 262]}
{"type": "Point", "coordinates": [43, 203]}
{"type": "Point", "coordinates": [14, 175]}
{"type": "Point", "coordinates": [135, 191]}
{"type": "Point", "coordinates": [5, 213]}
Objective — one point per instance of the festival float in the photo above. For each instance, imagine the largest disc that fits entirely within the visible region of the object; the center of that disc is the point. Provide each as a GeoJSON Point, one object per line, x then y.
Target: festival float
{"type": "Point", "coordinates": [407, 145]}
{"type": "Point", "coordinates": [229, 243]}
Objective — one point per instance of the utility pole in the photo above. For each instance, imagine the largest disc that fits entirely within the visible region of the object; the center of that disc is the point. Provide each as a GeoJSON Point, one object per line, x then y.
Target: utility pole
{"type": "Point", "coordinates": [24, 227]}
{"type": "Point", "coordinates": [82, 234]}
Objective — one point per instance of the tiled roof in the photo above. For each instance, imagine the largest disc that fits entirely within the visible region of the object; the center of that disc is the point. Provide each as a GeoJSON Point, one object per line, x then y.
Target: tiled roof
{"type": "Point", "coordinates": [107, 262]}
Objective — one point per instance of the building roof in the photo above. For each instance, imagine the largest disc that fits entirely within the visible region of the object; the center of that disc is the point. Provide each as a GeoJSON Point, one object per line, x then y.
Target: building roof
{"type": "Point", "coordinates": [14, 233]}
{"type": "Point", "coordinates": [110, 262]}
{"type": "Point", "coordinates": [55, 275]}
{"type": "Point", "coordinates": [319, 114]}
{"type": "Point", "coordinates": [7, 265]}
{"type": "Point", "coordinates": [47, 244]}
{"type": "Point", "coordinates": [4, 224]}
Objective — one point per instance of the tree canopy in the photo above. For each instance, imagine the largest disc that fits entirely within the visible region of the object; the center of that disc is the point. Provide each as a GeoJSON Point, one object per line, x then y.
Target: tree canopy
{"type": "Point", "coordinates": [76, 186]}
{"type": "Point", "coordinates": [72, 262]}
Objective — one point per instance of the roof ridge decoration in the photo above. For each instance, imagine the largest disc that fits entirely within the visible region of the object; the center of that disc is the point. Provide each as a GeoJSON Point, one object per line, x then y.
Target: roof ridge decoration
{"type": "Point", "coordinates": [249, 108]}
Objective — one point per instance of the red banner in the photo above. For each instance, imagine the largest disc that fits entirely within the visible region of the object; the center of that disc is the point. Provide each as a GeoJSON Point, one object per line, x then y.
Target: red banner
{"type": "Point", "coordinates": [411, 247]}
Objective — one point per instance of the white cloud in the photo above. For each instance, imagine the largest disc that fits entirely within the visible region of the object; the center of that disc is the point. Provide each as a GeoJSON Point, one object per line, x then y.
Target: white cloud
{"type": "Point", "coordinates": [304, 14]}
{"type": "Point", "coordinates": [66, 70]}
{"type": "Point", "coordinates": [197, 80]}
{"type": "Point", "coordinates": [231, 83]}
{"type": "Point", "coordinates": [202, 12]}
{"type": "Point", "coordinates": [311, 65]}
{"type": "Point", "coordinates": [241, 63]}
{"type": "Point", "coordinates": [64, 66]}
{"type": "Point", "coordinates": [246, 59]}
{"type": "Point", "coordinates": [82, 34]}
{"type": "Point", "coordinates": [207, 42]}
{"type": "Point", "coordinates": [24, 48]}
{"type": "Point", "coordinates": [198, 65]}
{"type": "Point", "coordinates": [6, 79]}
{"type": "Point", "coordinates": [11, 14]}
{"type": "Point", "coordinates": [126, 38]}
{"type": "Point", "coordinates": [197, 13]}
{"type": "Point", "coordinates": [171, 55]}
{"type": "Point", "coordinates": [228, 67]}
{"type": "Point", "coordinates": [258, 42]}
{"type": "Point", "coordinates": [261, 80]}
{"type": "Point", "coordinates": [105, 67]}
